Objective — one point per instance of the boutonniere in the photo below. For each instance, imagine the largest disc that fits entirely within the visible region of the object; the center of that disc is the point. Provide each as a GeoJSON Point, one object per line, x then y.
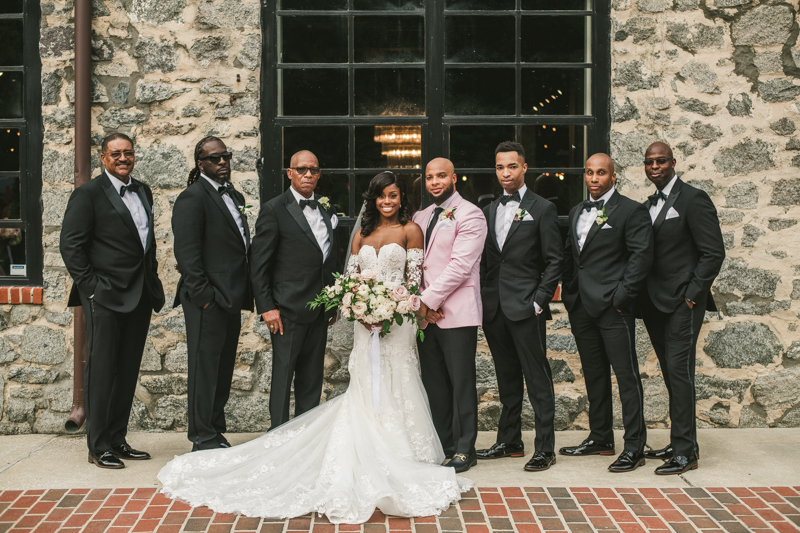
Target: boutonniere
{"type": "Point", "coordinates": [520, 214]}
{"type": "Point", "coordinates": [601, 217]}
{"type": "Point", "coordinates": [244, 209]}
{"type": "Point", "coordinates": [324, 202]}
{"type": "Point", "coordinates": [448, 214]}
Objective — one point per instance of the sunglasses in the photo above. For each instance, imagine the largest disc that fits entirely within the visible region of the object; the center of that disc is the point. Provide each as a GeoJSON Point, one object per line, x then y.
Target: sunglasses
{"type": "Point", "coordinates": [215, 158]}
{"type": "Point", "coordinates": [302, 170]}
{"type": "Point", "coordinates": [661, 161]}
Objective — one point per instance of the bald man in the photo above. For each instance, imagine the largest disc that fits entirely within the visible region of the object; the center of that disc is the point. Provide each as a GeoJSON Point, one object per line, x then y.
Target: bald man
{"type": "Point", "coordinates": [688, 256]}
{"type": "Point", "coordinates": [607, 256]}
{"type": "Point", "coordinates": [294, 255]}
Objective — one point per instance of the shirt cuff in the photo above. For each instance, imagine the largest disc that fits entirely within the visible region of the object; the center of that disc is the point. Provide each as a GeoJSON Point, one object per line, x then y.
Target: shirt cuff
{"type": "Point", "coordinates": [537, 308]}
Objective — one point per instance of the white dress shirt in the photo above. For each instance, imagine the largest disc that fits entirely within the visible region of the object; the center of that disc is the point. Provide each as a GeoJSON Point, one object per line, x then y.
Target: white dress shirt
{"type": "Point", "coordinates": [232, 207]}
{"type": "Point", "coordinates": [587, 218]}
{"type": "Point", "coordinates": [318, 227]}
{"type": "Point", "coordinates": [656, 209]}
{"type": "Point", "coordinates": [134, 205]}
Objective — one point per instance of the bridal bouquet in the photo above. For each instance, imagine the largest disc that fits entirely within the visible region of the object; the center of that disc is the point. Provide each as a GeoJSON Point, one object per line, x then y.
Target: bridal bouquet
{"type": "Point", "coordinates": [361, 297]}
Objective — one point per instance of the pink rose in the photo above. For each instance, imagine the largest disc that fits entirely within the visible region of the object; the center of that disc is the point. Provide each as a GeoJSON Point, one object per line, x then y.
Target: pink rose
{"type": "Point", "coordinates": [368, 275]}
{"type": "Point", "coordinates": [359, 308]}
{"type": "Point", "coordinates": [415, 301]}
{"type": "Point", "coordinates": [399, 293]}
{"type": "Point", "coordinates": [347, 300]}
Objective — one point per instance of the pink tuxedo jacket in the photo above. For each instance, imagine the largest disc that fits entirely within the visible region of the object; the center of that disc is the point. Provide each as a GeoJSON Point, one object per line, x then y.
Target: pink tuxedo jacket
{"type": "Point", "coordinates": [451, 269]}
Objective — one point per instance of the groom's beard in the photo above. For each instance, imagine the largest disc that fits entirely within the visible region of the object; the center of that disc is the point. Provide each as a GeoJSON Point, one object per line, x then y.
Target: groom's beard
{"type": "Point", "coordinates": [447, 193]}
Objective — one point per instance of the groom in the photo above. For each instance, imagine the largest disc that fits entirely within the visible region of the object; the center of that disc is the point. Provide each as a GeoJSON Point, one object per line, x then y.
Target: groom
{"type": "Point", "coordinates": [294, 255]}
{"type": "Point", "coordinates": [451, 305]}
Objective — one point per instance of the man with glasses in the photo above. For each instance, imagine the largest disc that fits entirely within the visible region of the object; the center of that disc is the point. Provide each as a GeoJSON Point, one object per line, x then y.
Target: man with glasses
{"type": "Point", "coordinates": [109, 249]}
{"type": "Point", "coordinates": [212, 242]}
{"type": "Point", "coordinates": [688, 256]}
{"type": "Point", "coordinates": [294, 256]}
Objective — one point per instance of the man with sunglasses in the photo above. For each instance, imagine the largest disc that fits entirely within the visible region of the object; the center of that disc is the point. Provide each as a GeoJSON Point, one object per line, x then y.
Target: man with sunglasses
{"type": "Point", "coordinates": [688, 256]}
{"type": "Point", "coordinates": [212, 246]}
{"type": "Point", "coordinates": [109, 248]}
{"type": "Point", "coordinates": [295, 254]}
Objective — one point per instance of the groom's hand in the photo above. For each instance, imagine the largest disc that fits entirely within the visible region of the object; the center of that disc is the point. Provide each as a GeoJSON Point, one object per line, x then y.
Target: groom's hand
{"type": "Point", "coordinates": [423, 310]}
{"type": "Point", "coordinates": [333, 320]}
{"type": "Point", "coordinates": [434, 316]}
{"type": "Point", "coordinates": [273, 321]}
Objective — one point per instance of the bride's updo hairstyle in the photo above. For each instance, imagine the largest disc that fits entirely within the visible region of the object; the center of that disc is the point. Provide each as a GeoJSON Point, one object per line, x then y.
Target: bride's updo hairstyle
{"type": "Point", "coordinates": [376, 186]}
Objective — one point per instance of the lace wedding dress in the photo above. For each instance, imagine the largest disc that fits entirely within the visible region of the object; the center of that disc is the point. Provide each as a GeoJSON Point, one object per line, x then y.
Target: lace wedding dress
{"type": "Point", "coordinates": [366, 449]}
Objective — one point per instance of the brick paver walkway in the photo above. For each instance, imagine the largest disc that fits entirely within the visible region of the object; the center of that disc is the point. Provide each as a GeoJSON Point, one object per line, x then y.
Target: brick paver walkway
{"type": "Point", "coordinates": [485, 510]}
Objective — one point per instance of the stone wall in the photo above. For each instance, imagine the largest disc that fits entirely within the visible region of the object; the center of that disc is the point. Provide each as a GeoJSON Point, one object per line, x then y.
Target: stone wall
{"type": "Point", "coordinates": [714, 78]}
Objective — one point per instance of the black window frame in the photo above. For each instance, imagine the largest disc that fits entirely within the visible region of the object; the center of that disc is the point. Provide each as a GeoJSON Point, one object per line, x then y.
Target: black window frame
{"type": "Point", "coordinates": [31, 145]}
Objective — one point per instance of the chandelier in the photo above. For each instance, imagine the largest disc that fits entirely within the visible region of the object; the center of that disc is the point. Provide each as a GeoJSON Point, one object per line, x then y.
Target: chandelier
{"type": "Point", "coordinates": [401, 145]}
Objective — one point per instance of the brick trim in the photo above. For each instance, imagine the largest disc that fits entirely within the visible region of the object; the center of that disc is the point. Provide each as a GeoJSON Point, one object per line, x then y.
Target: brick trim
{"type": "Point", "coordinates": [21, 295]}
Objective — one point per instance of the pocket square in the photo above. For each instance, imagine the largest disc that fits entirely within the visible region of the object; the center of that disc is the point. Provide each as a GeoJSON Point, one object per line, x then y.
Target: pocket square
{"type": "Point", "coordinates": [606, 226]}
{"type": "Point", "coordinates": [672, 213]}
{"type": "Point", "coordinates": [527, 218]}
{"type": "Point", "coordinates": [445, 224]}
{"type": "Point", "coordinates": [334, 221]}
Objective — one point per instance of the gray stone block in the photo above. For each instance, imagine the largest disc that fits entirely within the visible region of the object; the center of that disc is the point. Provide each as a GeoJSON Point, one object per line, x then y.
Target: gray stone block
{"type": "Point", "coordinates": [60, 117]}
{"type": "Point", "coordinates": [59, 399]}
{"type": "Point", "coordinates": [706, 132]}
{"type": "Point", "coordinates": [50, 422]}
{"type": "Point", "coordinates": [793, 352]}
{"type": "Point", "coordinates": [7, 353]}
{"type": "Point", "coordinates": [736, 276]}
{"type": "Point", "coordinates": [750, 418]}
{"type": "Point", "coordinates": [751, 235]}
{"type": "Point", "coordinates": [157, 12]}
{"type": "Point", "coordinates": [654, 6]}
{"type": "Point", "coordinates": [743, 195]}
{"type": "Point", "coordinates": [151, 359]}
{"type": "Point", "coordinates": [695, 37]}
{"type": "Point", "coordinates": [19, 410]}
{"type": "Point", "coordinates": [171, 412]}
{"type": "Point", "coordinates": [566, 410]}
{"type": "Point", "coordinates": [192, 111]}
{"type": "Point", "coordinates": [177, 360]}
{"type": "Point", "coordinates": [713, 386]}
{"type": "Point", "coordinates": [768, 62]}
{"type": "Point", "coordinates": [790, 418]}
{"type": "Point", "coordinates": [57, 166]}
{"type": "Point", "coordinates": [778, 224]}
{"type": "Point", "coordinates": [793, 144]}
{"type": "Point", "coordinates": [485, 373]}
{"type": "Point", "coordinates": [561, 343]}
{"type": "Point", "coordinates": [247, 413]}
{"type": "Point", "coordinates": [740, 105]}
{"type": "Point", "coordinates": [786, 192]}
{"type": "Point", "coordinates": [228, 14]}
{"type": "Point", "coordinates": [56, 40]}
{"type": "Point", "coordinates": [686, 5]}
{"type": "Point", "coordinates": [155, 56]}
{"type": "Point", "coordinates": [694, 105]}
{"type": "Point", "coordinates": [166, 384]}
{"type": "Point", "coordinates": [15, 428]}
{"type": "Point", "coordinates": [51, 87]}
{"type": "Point", "coordinates": [2, 394]}
{"type": "Point", "coordinates": [208, 49]}
{"type": "Point", "coordinates": [725, 347]}
{"type": "Point", "coordinates": [162, 166]}
{"type": "Point", "coordinates": [656, 399]}
{"type": "Point", "coordinates": [784, 126]}
{"type": "Point", "coordinates": [719, 414]}
{"type": "Point", "coordinates": [763, 25]}
{"type": "Point", "coordinates": [242, 380]}
{"type": "Point", "coordinates": [43, 345]}
{"type": "Point", "coordinates": [121, 92]}
{"type": "Point", "coordinates": [634, 76]}
{"type": "Point", "coordinates": [140, 417]}
{"type": "Point", "coordinates": [113, 119]}
{"type": "Point", "coordinates": [250, 55]}
{"type": "Point", "coordinates": [627, 149]}
{"type": "Point", "coordinates": [731, 3]}
{"type": "Point", "coordinates": [704, 79]}
{"type": "Point", "coordinates": [245, 160]}
{"type": "Point", "coordinates": [99, 92]}
{"type": "Point", "coordinates": [780, 90]}
{"type": "Point", "coordinates": [642, 29]}
{"type": "Point", "coordinates": [489, 415]}
{"type": "Point", "coordinates": [154, 91]}
{"type": "Point", "coordinates": [777, 387]}
{"type": "Point", "coordinates": [561, 371]}
{"type": "Point", "coordinates": [265, 372]}
{"type": "Point", "coordinates": [746, 157]}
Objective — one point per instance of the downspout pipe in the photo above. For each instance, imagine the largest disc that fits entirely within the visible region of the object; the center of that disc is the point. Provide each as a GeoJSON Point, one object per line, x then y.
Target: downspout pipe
{"type": "Point", "coordinates": [83, 168]}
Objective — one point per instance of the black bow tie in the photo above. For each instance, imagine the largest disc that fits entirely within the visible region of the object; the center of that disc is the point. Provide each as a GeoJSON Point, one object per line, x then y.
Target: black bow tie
{"type": "Point", "coordinates": [132, 187]}
{"type": "Point", "coordinates": [509, 198]}
{"type": "Point", "coordinates": [313, 204]}
{"type": "Point", "coordinates": [589, 204]}
{"type": "Point", "coordinates": [655, 197]}
{"type": "Point", "coordinates": [226, 189]}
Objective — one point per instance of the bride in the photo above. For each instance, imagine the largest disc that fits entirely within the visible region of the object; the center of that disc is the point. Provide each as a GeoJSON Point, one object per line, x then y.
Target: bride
{"type": "Point", "coordinates": [372, 447]}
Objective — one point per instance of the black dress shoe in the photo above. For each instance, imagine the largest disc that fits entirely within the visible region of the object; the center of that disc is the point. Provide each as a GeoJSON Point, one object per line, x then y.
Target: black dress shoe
{"type": "Point", "coordinates": [678, 464]}
{"type": "Point", "coordinates": [627, 462]}
{"type": "Point", "coordinates": [106, 460]}
{"type": "Point", "coordinates": [664, 453]}
{"type": "Point", "coordinates": [588, 447]}
{"type": "Point", "coordinates": [222, 441]}
{"type": "Point", "coordinates": [463, 462]}
{"type": "Point", "coordinates": [124, 451]}
{"type": "Point", "coordinates": [540, 461]}
{"type": "Point", "coordinates": [501, 449]}
{"type": "Point", "coordinates": [207, 445]}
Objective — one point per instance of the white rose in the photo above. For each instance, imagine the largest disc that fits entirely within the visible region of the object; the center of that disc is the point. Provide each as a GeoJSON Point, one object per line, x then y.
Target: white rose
{"type": "Point", "coordinates": [346, 313]}
{"type": "Point", "coordinates": [359, 308]}
{"type": "Point", "coordinates": [347, 300]}
{"type": "Point", "coordinates": [399, 293]}
{"type": "Point", "coordinates": [368, 274]}
{"type": "Point", "coordinates": [404, 307]}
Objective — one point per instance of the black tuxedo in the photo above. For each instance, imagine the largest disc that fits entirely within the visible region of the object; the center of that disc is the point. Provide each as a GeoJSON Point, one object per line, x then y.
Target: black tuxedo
{"type": "Point", "coordinates": [115, 279]}
{"type": "Point", "coordinates": [213, 262]}
{"type": "Point", "coordinates": [688, 256]}
{"type": "Point", "coordinates": [526, 270]}
{"type": "Point", "coordinates": [599, 289]}
{"type": "Point", "coordinates": [288, 271]}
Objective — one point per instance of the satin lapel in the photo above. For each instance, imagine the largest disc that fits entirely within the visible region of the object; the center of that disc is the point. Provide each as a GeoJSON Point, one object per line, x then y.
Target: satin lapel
{"type": "Point", "coordinates": [327, 218]}
{"type": "Point", "coordinates": [573, 223]}
{"type": "Point", "coordinates": [216, 197]}
{"type": "Point", "coordinates": [241, 202]}
{"type": "Point", "coordinates": [148, 209]}
{"type": "Point", "coordinates": [453, 205]}
{"type": "Point", "coordinates": [120, 207]}
{"type": "Point", "coordinates": [294, 209]}
{"type": "Point", "coordinates": [526, 204]}
{"type": "Point", "coordinates": [492, 222]}
{"type": "Point", "coordinates": [427, 212]}
{"type": "Point", "coordinates": [662, 215]}
{"type": "Point", "coordinates": [610, 207]}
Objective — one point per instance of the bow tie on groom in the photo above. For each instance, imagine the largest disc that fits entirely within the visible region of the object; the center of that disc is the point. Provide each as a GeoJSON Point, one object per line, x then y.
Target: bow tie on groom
{"type": "Point", "coordinates": [596, 204]}
{"type": "Point", "coordinates": [510, 198]}
{"type": "Point", "coordinates": [131, 187]}
{"type": "Point", "coordinates": [313, 204]}
{"type": "Point", "coordinates": [654, 198]}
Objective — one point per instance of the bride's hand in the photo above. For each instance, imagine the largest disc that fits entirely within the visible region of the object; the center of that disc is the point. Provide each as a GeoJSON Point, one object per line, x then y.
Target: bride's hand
{"type": "Point", "coordinates": [369, 326]}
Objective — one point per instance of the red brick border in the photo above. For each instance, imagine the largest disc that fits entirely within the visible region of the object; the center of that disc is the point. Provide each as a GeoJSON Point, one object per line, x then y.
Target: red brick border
{"type": "Point", "coordinates": [21, 295]}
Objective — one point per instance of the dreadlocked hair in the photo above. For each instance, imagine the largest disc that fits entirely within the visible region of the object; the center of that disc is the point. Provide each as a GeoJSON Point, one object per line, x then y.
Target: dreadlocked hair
{"type": "Point", "coordinates": [195, 172]}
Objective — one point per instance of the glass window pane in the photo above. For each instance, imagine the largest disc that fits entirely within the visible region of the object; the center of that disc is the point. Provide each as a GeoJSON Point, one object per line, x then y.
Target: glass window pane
{"type": "Point", "coordinates": [481, 4]}
{"type": "Point", "coordinates": [388, 146]}
{"type": "Point", "coordinates": [328, 143]}
{"type": "Point", "coordinates": [547, 91]}
{"type": "Point", "coordinates": [9, 149]}
{"type": "Point", "coordinates": [565, 190]}
{"type": "Point", "coordinates": [11, 94]}
{"type": "Point", "coordinates": [389, 40]}
{"type": "Point", "coordinates": [11, 6]}
{"type": "Point", "coordinates": [384, 5]}
{"type": "Point", "coordinates": [9, 198]}
{"type": "Point", "coordinates": [335, 186]}
{"type": "Point", "coordinates": [560, 5]}
{"type": "Point", "coordinates": [554, 146]}
{"type": "Point", "coordinates": [12, 252]}
{"type": "Point", "coordinates": [11, 51]}
{"type": "Point", "coordinates": [553, 39]}
{"type": "Point", "coordinates": [395, 92]}
{"type": "Point", "coordinates": [414, 187]}
{"type": "Point", "coordinates": [338, 5]}
{"type": "Point", "coordinates": [479, 39]}
{"type": "Point", "coordinates": [480, 189]}
{"type": "Point", "coordinates": [473, 146]}
{"type": "Point", "coordinates": [328, 45]}
{"type": "Point", "coordinates": [479, 91]}
{"type": "Point", "coordinates": [314, 91]}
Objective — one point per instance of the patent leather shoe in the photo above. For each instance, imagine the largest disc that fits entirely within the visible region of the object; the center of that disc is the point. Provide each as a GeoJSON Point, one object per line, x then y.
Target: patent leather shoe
{"type": "Point", "coordinates": [222, 441]}
{"type": "Point", "coordinates": [540, 461]}
{"type": "Point", "coordinates": [678, 464]}
{"type": "Point", "coordinates": [106, 459]}
{"type": "Point", "coordinates": [588, 447]}
{"type": "Point", "coordinates": [206, 445]}
{"type": "Point", "coordinates": [124, 451]}
{"type": "Point", "coordinates": [463, 462]}
{"type": "Point", "coordinates": [501, 449]}
{"type": "Point", "coordinates": [627, 462]}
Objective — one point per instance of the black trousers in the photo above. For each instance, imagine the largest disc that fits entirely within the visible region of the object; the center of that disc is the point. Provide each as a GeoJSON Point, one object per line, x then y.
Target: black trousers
{"type": "Point", "coordinates": [674, 337]}
{"type": "Point", "coordinates": [447, 361]}
{"type": "Point", "coordinates": [212, 337]}
{"type": "Point", "coordinates": [116, 343]}
{"type": "Point", "coordinates": [300, 354]}
{"type": "Point", "coordinates": [519, 350]}
{"type": "Point", "coordinates": [606, 342]}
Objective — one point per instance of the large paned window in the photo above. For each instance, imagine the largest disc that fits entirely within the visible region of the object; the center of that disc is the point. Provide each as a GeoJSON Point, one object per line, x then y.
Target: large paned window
{"type": "Point", "coordinates": [372, 85]}
{"type": "Point", "coordinates": [20, 144]}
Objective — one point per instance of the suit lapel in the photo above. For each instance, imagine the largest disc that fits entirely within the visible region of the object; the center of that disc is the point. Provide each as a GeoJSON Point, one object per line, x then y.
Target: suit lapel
{"type": "Point", "coordinates": [527, 203]}
{"type": "Point", "coordinates": [220, 203]}
{"type": "Point", "coordinates": [452, 205]}
{"type": "Point", "coordinates": [426, 219]}
{"type": "Point", "coordinates": [327, 219]}
{"type": "Point", "coordinates": [119, 206]}
{"type": "Point", "coordinates": [148, 209]}
{"type": "Point", "coordinates": [673, 196]}
{"type": "Point", "coordinates": [573, 228]}
{"type": "Point", "coordinates": [241, 202]}
{"type": "Point", "coordinates": [610, 207]}
{"type": "Point", "coordinates": [297, 214]}
{"type": "Point", "coordinates": [493, 222]}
